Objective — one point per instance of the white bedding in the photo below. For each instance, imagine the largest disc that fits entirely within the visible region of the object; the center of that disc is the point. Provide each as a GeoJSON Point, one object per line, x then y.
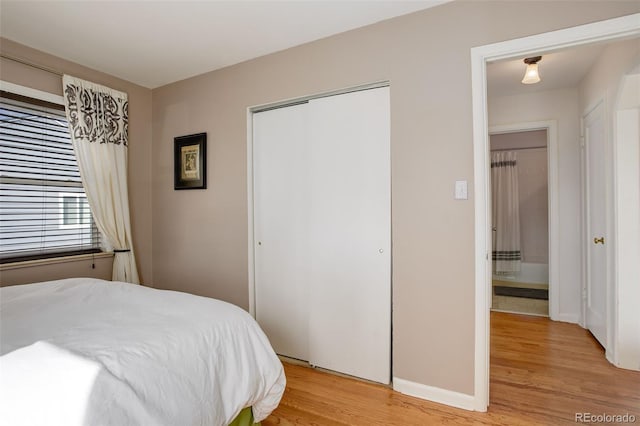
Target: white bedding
{"type": "Point", "coordinates": [91, 352]}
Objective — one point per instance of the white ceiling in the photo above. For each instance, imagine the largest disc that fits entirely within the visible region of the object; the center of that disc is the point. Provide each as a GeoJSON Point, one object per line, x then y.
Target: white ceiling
{"type": "Point", "coordinates": [558, 70]}
{"type": "Point", "coordinates": [153, 43]}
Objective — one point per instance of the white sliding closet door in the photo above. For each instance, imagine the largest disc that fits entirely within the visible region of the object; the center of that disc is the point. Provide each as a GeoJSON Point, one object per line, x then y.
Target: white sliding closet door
{"type": "Point", "coordinates": [350, 234]}
{"type": "Point", "coordinates": [322, 231]}
{"type": "Point", "coordinates": [281, 227]}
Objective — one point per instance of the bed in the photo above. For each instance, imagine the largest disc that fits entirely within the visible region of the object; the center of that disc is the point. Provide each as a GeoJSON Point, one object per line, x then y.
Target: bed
{"type": "Point", "coordinates": [92, 352]}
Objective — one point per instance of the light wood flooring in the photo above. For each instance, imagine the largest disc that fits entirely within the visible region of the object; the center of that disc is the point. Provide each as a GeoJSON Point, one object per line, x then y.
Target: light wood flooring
{"type": "Point", "coordinates": [542, 373]}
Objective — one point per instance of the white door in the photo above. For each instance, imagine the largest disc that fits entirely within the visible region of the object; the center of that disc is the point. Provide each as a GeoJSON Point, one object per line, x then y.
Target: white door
{"type": "Point", "coordinates": [350, 223]}
{"type": "Point", "coordinates": [281, 229]}
{"type": "Point", "coordinates": [596, 282]}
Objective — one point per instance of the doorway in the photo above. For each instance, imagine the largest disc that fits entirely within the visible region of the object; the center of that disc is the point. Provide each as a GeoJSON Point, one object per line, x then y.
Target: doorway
{"type": "Point", "coordinates": [610, 30]}
{"type": "Point", "coordinates": [520, 220]}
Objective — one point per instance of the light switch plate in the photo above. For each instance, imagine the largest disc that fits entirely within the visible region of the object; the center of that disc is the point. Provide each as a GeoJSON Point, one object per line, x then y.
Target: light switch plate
{"type": "Point", "coordinates": [461, 190]}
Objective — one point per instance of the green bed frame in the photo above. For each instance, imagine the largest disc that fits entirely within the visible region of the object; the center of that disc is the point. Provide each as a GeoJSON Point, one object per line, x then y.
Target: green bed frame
{"type": "Point", "coordinates": [245, 418]}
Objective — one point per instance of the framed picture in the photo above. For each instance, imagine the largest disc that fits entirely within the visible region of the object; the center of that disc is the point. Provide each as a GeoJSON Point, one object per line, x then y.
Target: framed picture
{"type": "Point", "coordinates": [190, 162]}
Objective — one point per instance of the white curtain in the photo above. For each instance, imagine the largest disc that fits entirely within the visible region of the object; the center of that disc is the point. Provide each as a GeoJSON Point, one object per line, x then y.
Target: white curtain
{"type": "Point", "coordinates": [98, 122]}
{"type": "Point", "coordinates": [506, 212]}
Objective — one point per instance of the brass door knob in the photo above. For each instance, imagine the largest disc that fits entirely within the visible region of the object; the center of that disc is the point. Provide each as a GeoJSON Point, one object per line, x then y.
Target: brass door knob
{"type": "Point", "coordinates": [597, 240]}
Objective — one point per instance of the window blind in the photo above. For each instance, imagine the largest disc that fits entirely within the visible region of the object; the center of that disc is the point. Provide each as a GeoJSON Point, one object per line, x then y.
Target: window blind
{"type": "Point", "coordinates": [43, 208]}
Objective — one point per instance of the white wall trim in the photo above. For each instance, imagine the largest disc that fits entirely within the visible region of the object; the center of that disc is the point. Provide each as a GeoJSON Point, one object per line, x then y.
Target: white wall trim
{"type": "Point", "coordinates": [583, 230]}
{"type": "Point", "coordinates": [610, 29]}
{"type": "Point", "coordinates": [481, 227]}
{"type": "Point", "coordinates": [250, 236]}
{"type": "Point", "coordinates": [626, 196]}
{"type": "Point", "coordinates": [551, 126]}
{"type": "Point", "coordinates": [31, 93]}
{"type": "Point", "coordinates": [612, 254]}
{"type": "Point", "coordinates": [572, 318]}
{"type": "Point", "coordinates": [430, 393]}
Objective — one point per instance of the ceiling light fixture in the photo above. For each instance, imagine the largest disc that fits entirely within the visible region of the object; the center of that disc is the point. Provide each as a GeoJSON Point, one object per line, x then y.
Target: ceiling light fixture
{"type": "Point", "coordinates": [531, 74]}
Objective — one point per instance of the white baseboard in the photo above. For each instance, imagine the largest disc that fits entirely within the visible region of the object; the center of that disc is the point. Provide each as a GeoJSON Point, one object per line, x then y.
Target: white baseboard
{"type": "Point", "coordinates": [430, 393]}
{"type": "Point", "coordinates": [572, 318]}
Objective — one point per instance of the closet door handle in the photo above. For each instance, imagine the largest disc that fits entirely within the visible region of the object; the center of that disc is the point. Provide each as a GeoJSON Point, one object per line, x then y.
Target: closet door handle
{"type": "Point", "coordinates": [597, 240]}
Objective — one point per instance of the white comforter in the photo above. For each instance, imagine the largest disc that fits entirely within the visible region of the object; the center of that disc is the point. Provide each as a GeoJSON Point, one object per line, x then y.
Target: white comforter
{"type": "Point", "coordinates": [91, 352]}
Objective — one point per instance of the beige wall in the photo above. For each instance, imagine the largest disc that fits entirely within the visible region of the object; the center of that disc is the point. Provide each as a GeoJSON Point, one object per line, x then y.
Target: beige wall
{"type": "Point", "coordinates": [200, 237]}
{"type": "Point", "coordinates": [534, 206]}
{"type": "Point", "coordinates": [604, 77]}
{"type": "Point", "coordinates": [78, 266]}
{"type": "Point", "coordinates": [519, 140]}
{"type": "Point", "coordinates": [139, 147]}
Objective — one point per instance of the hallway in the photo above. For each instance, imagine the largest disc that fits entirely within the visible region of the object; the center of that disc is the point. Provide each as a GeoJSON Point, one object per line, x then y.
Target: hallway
{"type": "Point", "coordinates": [552, 370]}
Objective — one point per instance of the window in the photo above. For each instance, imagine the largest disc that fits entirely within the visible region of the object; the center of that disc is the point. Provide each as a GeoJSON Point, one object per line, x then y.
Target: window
{"type": "Point", "coordinates": [43, 208]}
{"type": "Point", "coordinates": [74, 210]}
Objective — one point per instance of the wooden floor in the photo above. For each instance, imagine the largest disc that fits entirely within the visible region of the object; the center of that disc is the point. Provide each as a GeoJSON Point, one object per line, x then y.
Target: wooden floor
{"type": "Point", "coordinates": [542, 372]}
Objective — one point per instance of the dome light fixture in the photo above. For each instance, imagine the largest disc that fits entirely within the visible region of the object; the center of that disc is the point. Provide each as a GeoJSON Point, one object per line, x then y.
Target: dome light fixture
{"type": "Point", "coordinates": [531, 74]}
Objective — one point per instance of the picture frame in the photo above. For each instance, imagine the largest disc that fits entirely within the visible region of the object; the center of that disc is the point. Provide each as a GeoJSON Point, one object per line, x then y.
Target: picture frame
{"type": "Point", "coordinates": [190, 161]}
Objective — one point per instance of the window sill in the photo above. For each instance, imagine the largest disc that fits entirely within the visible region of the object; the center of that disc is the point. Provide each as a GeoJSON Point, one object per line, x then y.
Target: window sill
{"type": "Point", "coordinates": [54, 260]}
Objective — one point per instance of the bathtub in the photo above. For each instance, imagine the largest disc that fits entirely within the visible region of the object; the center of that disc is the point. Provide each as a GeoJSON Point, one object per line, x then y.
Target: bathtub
{"type": "Point", "coordinates": [535, 273]}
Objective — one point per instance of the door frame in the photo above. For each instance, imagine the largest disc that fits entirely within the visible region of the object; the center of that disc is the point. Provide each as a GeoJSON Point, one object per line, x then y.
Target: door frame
{"type": "Point", "coordinates": [553, 214]}
{"type": "Point", "coordinates": [626, 151]}
{"type": "Point", "coordinates": [607, 30]}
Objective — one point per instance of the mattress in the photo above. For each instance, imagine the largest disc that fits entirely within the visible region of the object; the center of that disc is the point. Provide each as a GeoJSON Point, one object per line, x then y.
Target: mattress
{"type": "Point", "coordinates": [92, 352]}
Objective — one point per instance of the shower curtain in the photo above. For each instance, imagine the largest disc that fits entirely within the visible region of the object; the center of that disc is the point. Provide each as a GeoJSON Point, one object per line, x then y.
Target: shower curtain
{"type": "Point", "coordinates": [505, 212]}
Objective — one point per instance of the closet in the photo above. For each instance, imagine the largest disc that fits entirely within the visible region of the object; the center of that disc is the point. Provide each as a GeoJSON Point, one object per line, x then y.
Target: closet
{"type": "Point", "coordinates": [322, 231]}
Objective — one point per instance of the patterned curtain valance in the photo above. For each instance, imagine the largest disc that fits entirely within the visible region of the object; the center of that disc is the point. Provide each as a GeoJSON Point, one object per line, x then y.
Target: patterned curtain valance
{"type": "Point", "coordinates": [96, 113]}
